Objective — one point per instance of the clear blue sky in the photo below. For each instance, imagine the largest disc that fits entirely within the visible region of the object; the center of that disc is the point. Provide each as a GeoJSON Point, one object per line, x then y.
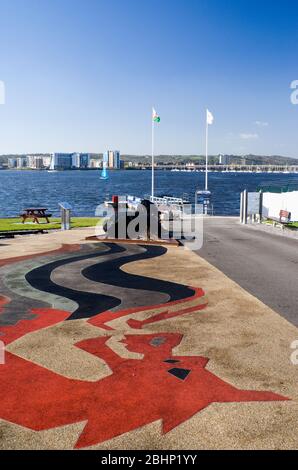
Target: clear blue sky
{"type": "Point", "coordinates": [83, 75]}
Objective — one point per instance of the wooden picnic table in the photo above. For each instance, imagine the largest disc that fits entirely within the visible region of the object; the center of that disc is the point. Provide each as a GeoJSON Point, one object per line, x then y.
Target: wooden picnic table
{"type": "Point", "coordinates": [35, 213]}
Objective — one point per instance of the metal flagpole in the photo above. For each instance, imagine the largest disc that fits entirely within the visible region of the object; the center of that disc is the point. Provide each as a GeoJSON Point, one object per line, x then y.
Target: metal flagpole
{"type": "Point", "coordinates": [206, 172]}
{"type": "Point", "coordinates": [152, 182]}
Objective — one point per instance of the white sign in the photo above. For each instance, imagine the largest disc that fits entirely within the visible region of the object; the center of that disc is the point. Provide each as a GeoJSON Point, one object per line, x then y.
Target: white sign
{"type": "Point", "coordinates": [253, 203]}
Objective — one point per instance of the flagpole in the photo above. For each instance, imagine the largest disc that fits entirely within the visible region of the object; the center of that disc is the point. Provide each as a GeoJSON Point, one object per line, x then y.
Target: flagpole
{"type": "Point", "coordinates": [206, 172]}
{"type": "Point", "coordinates": [152, 174]}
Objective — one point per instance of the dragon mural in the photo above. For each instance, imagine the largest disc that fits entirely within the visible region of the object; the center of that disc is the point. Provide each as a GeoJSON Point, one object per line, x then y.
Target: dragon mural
{"type": "Point", "coordinates": [82, 345]}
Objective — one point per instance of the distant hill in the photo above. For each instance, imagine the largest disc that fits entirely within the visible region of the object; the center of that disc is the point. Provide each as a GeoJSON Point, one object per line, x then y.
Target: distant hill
{"type": "Point", "coordinates": [213, 159]}
{"type": "Point", "coordinates": [184, 159]}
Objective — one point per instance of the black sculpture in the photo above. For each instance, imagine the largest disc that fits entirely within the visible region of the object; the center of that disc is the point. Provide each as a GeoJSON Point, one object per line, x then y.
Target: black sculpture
{"type": "Point", "coordinates": [145, 222]}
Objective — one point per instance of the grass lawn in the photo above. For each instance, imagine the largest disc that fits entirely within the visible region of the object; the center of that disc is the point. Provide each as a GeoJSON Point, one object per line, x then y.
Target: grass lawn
{"type": "Point", "coordinates": [15, 224]}
{"type": "Point", "coordinates": [291, 225]}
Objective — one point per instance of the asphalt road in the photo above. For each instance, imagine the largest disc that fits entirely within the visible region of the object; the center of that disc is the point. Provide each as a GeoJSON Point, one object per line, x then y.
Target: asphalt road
{"type": "Point", "coordinates": [264, 264]}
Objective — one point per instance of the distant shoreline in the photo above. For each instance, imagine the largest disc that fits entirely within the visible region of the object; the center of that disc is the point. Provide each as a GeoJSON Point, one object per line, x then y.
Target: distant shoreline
{"type": "Point", "coordinates": [222, 169]}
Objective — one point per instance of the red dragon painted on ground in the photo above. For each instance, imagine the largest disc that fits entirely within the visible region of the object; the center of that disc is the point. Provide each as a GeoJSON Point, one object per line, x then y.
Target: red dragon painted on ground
{"type": "Point", "coordinates": [161, 386]}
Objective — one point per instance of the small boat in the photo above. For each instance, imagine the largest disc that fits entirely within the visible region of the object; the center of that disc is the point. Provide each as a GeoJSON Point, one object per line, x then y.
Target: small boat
{"type": "Point", "coordinates": [204, 193]}
{"type": "Point", "coordinates": [104, 173]}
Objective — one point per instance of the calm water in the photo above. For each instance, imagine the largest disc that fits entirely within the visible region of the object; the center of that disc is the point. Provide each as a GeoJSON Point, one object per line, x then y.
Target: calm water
{"type": "Point", "coordinates": [85, 190]}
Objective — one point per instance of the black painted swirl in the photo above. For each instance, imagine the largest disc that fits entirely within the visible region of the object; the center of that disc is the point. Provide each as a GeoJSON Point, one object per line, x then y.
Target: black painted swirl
{"type": "Point", "coordinates": [106, 272]}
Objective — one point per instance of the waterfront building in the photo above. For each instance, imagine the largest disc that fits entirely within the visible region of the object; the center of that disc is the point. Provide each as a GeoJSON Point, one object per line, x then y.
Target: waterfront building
{"type": "Point", "coordinates": [84, 160]}
{"type": "Point", "coordinates": [12, 162]}
{"type": "Point", "coordinates": [67, 161]}
{"type": "Point", "coordinates": [75, 160]}
{"type": "Point", "coordinates": [95, 163]}
{"type": "Point", "coordinates": [35, 162]}
{"type": "Point", "coordinates": [117, 159]}
{"type": "Point", "coordinates": [47, 161]}
{"type": "Point", "coordinates": [30, 161]}
{"type": "Point", "coordinates": [61, 161]}
{"type": "Point", "coordinates": [38, 163]}
{"type": "Point", "coordinates": [223, 159]}
{"type": "Point", "coordinates": [112, 159]}
{"type": "Point", "coordinates": [22, 162]}
{"type": "Point", "coordinates": [105, 159]}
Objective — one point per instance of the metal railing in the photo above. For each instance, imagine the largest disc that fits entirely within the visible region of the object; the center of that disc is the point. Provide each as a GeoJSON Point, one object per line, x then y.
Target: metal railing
{"type": "Point", "coordinates": [169, 200]}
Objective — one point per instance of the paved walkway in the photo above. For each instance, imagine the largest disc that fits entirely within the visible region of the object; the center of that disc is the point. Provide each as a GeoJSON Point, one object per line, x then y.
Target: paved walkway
{"type": "Point", "coordinates": [262, 262]}
{"type": "Point", "coordinates": [114, 346]}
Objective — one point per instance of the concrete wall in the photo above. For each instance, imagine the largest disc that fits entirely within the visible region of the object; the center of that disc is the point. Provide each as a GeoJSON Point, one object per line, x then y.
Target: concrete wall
{"type": "Point", "coordinates": [273, 203]}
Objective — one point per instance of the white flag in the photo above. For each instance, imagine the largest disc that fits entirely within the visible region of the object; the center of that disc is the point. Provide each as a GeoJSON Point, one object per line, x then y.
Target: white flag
{"type": "Point", "coordinates": [210, 117]}
{"type": "Point", "coordinates": [155, 116]}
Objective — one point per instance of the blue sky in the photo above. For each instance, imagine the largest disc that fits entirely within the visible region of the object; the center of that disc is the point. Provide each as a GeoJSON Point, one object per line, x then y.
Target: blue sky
{"type": "Point", "coordinates": [83, 75]}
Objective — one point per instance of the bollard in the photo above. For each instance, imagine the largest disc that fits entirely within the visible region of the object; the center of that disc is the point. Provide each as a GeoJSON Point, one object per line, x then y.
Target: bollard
{"type": "Point", "coordinates": [241, 208]}
{"type": "Point", "coordinates": [261, 207]}
{"type": "Point", "coordinates": [245, 201]}
{"type": "Point", "coordinates": [65, 215]}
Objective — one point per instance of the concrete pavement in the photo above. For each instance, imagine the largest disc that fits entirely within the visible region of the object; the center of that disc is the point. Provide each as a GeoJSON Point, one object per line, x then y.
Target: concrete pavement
{"type": "Point", "coordinates": [264, 264]}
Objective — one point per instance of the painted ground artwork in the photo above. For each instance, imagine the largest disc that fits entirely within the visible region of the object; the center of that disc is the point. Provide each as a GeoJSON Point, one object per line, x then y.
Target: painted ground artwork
{"type": "Point", "coordinates": [82, 345]}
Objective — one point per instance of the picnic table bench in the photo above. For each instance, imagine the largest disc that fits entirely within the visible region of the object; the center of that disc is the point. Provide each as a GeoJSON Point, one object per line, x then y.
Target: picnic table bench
{"type": "Point", "coordinates": [35, 213]}
{"type": "Point", "coordinates": [284, 218]}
